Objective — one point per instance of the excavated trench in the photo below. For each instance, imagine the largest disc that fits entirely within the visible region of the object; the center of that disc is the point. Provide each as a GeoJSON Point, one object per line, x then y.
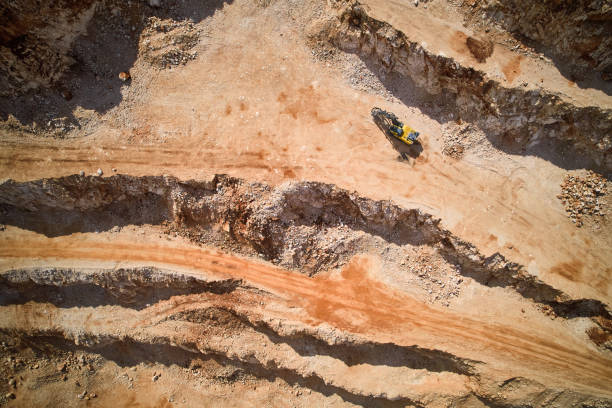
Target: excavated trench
{"type": "Point", "coordinates": [138, 288]}
{"type": "Point", "coordinates": [200, 325]}
{"type": "Point", "coordinates": [128, 352]}
{"type": "Point", "coordinates": [304, 226]}
{"type": "Point", "coordinates": [175, 318]}
{"type": "Point", "coordinates": [571, 31]}
{"type": "Point", "coordinates": [515, 119]}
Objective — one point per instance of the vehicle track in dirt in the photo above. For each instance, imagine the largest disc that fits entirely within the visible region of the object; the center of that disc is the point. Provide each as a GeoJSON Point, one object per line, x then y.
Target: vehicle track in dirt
{"type": "Point", "coordinates": [383, 313]}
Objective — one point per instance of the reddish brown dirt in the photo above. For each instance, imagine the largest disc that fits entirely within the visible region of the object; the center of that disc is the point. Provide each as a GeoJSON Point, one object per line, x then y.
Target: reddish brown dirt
{"type": "Point", "coordinates": [353, 297]}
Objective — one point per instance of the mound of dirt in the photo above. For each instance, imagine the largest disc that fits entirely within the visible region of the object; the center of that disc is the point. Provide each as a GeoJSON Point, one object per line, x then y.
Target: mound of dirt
{"type": "Point", "coordinates": [481, 49]}
{"type": "Point", "coordinates": [513, 116]}
{"type": "Point", "coordinates": [198, 210]}
{"type": "Point", "coordinates": [167, 42]}
{"type": "Point", "coordinates": [584, 197]}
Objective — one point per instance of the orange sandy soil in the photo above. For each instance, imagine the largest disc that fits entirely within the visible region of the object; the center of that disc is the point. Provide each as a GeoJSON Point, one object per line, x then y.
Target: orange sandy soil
{"type": "Point", "coordinates": [255, 105]}
{"type": "Point", "coordinates": [353, 301]}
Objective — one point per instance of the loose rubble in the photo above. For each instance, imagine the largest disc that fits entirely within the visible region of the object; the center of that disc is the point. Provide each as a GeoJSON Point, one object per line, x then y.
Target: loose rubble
{"type": "Point", "coordinates": [295, 292]}
{"type": "Point", "coordinates": [167, 43]}
{"type": "Point", "coordinates": [582, 196]}
{"type": "Point", "coordinates": [570, 30]}
{"type": "Point", "coordinates": [481, 48]}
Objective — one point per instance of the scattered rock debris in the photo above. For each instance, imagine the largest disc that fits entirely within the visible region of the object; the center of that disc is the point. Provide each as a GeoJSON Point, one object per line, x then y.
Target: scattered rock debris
{"type": "Point", "coordinates": [601, 334]}
{"type": "Point", "coordinates": [454, 150]}
{"type": "Point", "coordinates": [582, 196]}
{"type": "Point", "coordinates": [310, 228]}
{"type": "Point", "coordinates": [166, 43]}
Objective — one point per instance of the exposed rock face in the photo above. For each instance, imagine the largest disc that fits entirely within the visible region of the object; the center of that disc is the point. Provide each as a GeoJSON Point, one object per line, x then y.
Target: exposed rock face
{"type": "Point", "coordinates": [579, 31]}
{"type": "Point", "coordinates": [519, 116]}
{"type": "Point", "coordinates": [132, 287]}
{"type": "Point", "coordinates": [306, 226]}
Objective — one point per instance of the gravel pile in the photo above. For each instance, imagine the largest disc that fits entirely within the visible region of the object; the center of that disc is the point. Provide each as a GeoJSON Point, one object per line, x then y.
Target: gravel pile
{"type": "Point", "coordinates": [166, 43]}
{"type": "Point", "coordinates": [583, 196]}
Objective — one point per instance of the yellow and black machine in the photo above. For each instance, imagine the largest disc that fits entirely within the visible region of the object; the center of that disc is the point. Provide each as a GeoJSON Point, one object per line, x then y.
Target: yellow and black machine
{"type": "Point", "coordinates": [392, 126]}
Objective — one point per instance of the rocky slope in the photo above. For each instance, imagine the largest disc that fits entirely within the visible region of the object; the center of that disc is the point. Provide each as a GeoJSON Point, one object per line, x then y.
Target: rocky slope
{"type": "Point", "coordinates": [190, 319]}
{"type": "Point", "coordinates": [322, 271]}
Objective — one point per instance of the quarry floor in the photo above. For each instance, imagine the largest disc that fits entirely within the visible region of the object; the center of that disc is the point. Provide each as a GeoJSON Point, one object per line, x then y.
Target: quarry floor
{"type": "Point", "coordinates": [257, 104]}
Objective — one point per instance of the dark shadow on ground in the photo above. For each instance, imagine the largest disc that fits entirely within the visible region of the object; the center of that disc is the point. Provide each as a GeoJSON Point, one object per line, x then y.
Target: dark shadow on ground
{"type": "Point", "coordinates": [134, 288]}
{"type": "Point", "coordinates": [127, 352]}
{"type": "Point", "coordinates": [351, 353]}
{"type": "Point", "coordinates": [128, 206]}
{"type": "Point", "coordinates": [108, 47]}
{"type": "Point", "coordinates": [140, 210]}
{"type": "Point", "coordinates": [58, 216]}
{"type": "Point", "coordinates": [413, 151]}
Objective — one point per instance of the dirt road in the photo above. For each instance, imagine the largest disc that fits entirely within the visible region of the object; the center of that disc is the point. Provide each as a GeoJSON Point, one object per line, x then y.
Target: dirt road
{"type": "Point", "coordinates": [355, 296]}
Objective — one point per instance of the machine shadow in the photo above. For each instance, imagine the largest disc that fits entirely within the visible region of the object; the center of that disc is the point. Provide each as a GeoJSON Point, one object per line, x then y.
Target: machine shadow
{"type": "Point", "coordinates": [437, 107]}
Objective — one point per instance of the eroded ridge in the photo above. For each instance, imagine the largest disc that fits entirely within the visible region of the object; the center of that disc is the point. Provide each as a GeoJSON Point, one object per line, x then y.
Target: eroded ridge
{"type": "Point", "coordinates": [573, 31]}
{"type": "Point", "coordinates": [305, 226]}
{"type": "Point", "coordinates": [128, 287]}
{"type": "Point", "coordinates": [193, 326]}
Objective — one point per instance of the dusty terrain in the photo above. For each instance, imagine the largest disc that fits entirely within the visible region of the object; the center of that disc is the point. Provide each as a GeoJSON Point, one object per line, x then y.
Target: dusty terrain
{"type": "Point", "coordinates": [196, 208]}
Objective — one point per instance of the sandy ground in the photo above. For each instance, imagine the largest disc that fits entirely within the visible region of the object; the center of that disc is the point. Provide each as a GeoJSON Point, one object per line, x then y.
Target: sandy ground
{"type": "Point", "coordinates": [257, 105]}
{"type": "Point", "coordinates": [440, 28]}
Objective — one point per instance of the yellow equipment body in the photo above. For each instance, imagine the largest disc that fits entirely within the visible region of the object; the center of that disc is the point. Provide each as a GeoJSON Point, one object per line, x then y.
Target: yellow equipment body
{"type": "Point", "coordinates": [407, 130]}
